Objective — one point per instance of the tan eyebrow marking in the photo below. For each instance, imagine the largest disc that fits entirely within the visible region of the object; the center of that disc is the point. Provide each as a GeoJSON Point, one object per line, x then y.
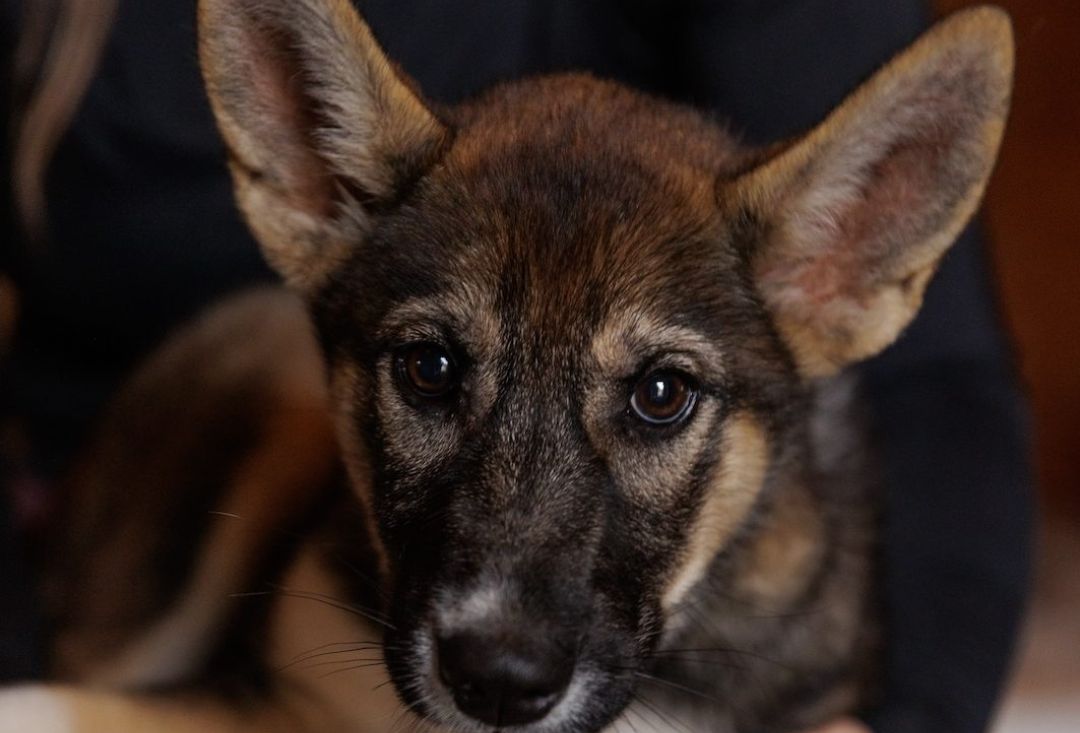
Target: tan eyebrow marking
{"type": "Point", "coordinates": [631, 334]}
{"type": "Point", "coordinates": [471, 315]}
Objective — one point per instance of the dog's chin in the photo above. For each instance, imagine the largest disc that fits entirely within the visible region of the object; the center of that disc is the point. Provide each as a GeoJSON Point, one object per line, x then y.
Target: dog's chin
{"type": "Point", "coordinates": [593, 699]}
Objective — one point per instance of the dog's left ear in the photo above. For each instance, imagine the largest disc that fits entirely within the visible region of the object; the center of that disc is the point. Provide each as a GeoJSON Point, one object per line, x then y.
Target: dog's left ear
{"type": "Point", "coordinates": [855, 216]}
{"type": "Point", "coordinates": [321, 129]}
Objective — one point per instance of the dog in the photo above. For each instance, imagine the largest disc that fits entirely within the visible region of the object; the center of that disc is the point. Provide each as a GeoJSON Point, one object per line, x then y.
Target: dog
{"type": "Point", "coordinates": [552, 430]}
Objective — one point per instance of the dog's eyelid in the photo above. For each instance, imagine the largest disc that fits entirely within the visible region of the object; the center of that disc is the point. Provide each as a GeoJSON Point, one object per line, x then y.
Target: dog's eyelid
{"type": "Point", "coordinates": [395, 336]}
{"type": "Point", "coordinates": [416, 315]}
{"type": "Point", "coordinates": [466, 345]}
{"type": "Point", "coordinates": [654, 345]}
{"type": "Point", "coordinates": [694, 365]}
{"type": "Point", "coordinates": [421, 334]}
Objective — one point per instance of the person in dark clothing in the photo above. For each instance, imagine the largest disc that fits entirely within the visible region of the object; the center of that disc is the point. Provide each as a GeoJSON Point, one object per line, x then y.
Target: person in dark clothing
{"type": "Point", "coordinates": [142, 233]}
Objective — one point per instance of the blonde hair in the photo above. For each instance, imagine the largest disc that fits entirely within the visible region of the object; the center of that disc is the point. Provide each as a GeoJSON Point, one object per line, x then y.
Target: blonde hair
{"type": "Point", "coordinates": [59, 48]}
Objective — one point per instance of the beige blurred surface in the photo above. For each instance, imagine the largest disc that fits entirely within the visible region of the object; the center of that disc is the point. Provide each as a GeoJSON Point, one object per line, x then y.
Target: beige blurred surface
{"type": "Point", "coordinates": [1044, 696]}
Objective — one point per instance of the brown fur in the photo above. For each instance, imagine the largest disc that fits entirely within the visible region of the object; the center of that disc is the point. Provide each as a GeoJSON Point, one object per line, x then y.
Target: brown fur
{"type": "Point", "coordinates": [563, 237]}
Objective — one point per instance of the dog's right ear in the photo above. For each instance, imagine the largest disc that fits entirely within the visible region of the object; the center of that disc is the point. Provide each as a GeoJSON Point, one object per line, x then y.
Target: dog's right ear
{"type": "Point", "coordinates": [856, 215]}
{"type": "Point", "coordinates": [320, 127]}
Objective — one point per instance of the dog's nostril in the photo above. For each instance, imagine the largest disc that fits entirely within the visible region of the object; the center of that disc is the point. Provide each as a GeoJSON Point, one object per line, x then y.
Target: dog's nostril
{"type": "Point", "coordinates": [504, 681]}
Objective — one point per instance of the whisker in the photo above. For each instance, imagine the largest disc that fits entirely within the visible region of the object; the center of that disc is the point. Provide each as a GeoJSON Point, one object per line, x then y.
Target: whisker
{"type": "Point", "coordinates": [309, 664]}
{"type": "Point", "coordinates": [336, 603]}
{"type": "Point", "coordinates": [315, 653]}
{"type": "Point", "coordinates": [371, 581]}
{"type": "Point", "coordinates": [646, 721]}
{"type": "Point", "coordinates": [399, 719]}
{"type": "Point", "coordinates": [669, 718]}
{"type": "Point", "coordinates": [676, 655]}
{"type": "Point", "coordinates": [310, 596]}
{"type": "Point", "coordinates": [419, 721]}
{"type": "Point", "coordinates": [626, 719]}
{"type": "Point", "coordinates": [227, 515]}
{"type": "Point", "coordinates": [350, 660]}
{"type": "Point", "coordinates": [363, 665]}
{"type": "Point", "coordinates": [677, 686]}
{"type": "Point", "coordinates": [640, 716]}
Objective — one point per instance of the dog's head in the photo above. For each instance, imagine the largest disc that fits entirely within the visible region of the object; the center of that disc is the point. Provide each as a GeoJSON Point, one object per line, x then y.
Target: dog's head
{"type": "Point", "coordinates": [566, 323]}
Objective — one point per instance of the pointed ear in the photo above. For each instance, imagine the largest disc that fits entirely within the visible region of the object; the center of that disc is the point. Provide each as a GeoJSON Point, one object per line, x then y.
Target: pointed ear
{"type": "Point", "coordinates": [321, 130]}
{"type": "Point", "coordinates": [856, 215]}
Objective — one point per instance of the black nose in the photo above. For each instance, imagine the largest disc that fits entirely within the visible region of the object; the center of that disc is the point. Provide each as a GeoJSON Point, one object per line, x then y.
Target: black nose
{"type": "Point", "coordinates": [503, 680]}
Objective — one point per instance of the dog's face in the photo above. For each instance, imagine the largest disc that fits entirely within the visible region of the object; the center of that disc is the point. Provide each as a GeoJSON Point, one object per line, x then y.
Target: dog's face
{"type": "Point", "coordinates": [568, 326]}
{"type": "Point", "coordinates": [549, 386]}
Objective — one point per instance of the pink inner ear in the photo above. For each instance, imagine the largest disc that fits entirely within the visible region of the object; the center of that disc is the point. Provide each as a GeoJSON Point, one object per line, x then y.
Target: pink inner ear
{"type": "Point", "coordinates": [289, 120]}
{"type": "Point", "coordinates": [895, 208]}
{"type": "Point", "coordinates": [907, 191]}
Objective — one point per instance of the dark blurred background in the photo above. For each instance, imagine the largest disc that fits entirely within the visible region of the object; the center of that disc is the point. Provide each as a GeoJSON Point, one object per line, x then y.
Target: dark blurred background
{"type": "Point", "coordinates": [1033, 213]}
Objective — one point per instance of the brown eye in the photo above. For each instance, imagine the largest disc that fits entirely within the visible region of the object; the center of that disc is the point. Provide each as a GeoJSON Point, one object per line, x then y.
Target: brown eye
{"type": "Point", "coordinates": [663, 397]}
{"type": "Point", "coordinates": [426, 369]}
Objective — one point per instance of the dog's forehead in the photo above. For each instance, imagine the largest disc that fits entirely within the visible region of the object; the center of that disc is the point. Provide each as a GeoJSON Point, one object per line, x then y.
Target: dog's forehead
{"type": "Point", "coordinates": [561, 204]}
{"type": "Point", "coordinates": [554, 249]}
{"type": "Point", "coordinates": [579, 114]}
